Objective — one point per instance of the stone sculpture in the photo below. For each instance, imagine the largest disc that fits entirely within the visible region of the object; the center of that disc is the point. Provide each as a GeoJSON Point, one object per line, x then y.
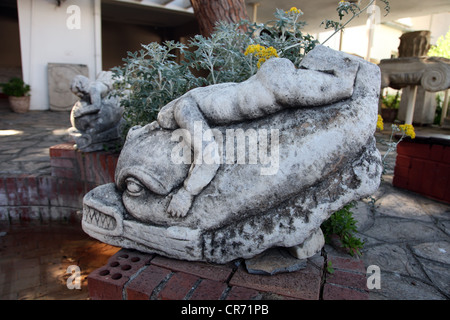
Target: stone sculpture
{"type": "Point", "coordinates": [233, 169]}
{"type": "Point", "coordinates": [418, 75]}
{"type": "Point", "coordinates": [432, 73]}
{"type": "Point", "coordinates": [414, 44]}
{"type": "Point", "coordinates": [96, 118]}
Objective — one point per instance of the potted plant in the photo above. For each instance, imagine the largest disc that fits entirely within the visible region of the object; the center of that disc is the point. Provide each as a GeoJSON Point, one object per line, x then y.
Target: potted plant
{"type": "Point", "coordinates": [18, 94]}
{"type": "Point", "coordinates": [389, 107]}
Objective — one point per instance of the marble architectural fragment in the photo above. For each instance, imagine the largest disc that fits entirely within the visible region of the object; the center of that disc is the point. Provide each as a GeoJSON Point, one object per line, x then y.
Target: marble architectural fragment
{"type": "Point", "coordinates": [60, 76]}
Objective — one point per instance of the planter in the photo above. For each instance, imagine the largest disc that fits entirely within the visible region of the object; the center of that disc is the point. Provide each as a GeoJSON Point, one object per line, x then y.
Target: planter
{"type": "Point", "coordinates": [19, 104]}
{"type": "Point", "coordinates": [423, 166]}
{"type": "Point", "coordinates": [389, 115]}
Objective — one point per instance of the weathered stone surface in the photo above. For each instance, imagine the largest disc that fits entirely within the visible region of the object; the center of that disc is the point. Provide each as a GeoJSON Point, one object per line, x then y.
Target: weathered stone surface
{"type": "Point", "coordinates": [438, 251]}
{"type": "Point", "coordinates": [310, 246]}
{"type": "Point", "coordinates": [96, 118]}
{"type": "Point", "coordinates": [310, 151]}
{"type": "Point", "coordinates": [414, 44]}
{"type": "Point", "coordinates": [273, 261]}
{"type": "Point", "coordinates": [432, 73]}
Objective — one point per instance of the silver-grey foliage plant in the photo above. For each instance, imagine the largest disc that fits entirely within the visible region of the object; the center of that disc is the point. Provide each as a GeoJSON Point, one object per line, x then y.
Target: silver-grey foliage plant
{"type": "Point", "coordinates": [160, 73]}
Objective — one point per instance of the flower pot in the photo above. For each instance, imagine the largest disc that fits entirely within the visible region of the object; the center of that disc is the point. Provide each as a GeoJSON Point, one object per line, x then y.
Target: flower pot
{"type": "Point", "coordinates": [389, 115]}
{"type": "Point", "coordinates": [19, 104]}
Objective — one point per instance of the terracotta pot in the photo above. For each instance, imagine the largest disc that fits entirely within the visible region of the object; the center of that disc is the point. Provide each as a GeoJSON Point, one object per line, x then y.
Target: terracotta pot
{"type": "Point", "coordinates": [19, 104]}
{"type": "Point", "coordinates": [389, 115]}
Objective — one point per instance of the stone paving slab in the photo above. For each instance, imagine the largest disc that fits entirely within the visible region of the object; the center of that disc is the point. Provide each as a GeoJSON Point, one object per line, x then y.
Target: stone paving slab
{"type": "Point", "coordinates": [25, 139]}
{"type": "Point", "coordinates": [407, 236]}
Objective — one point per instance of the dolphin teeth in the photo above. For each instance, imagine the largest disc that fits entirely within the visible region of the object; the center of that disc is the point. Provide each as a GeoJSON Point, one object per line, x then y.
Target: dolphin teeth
{"type": "Point", "coordinates": [97, 218]}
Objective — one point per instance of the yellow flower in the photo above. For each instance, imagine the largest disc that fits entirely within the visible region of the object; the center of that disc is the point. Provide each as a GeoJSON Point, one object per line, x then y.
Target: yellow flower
{"type": "Point", "coordinates": [253, 48]}
{"type": "Point", "coordinates": [295, 10]}
{"type": "Point", "coordinates": [380, 124]}
{"type": "Point", "coordinates": [408, 129]}
{"type": "Point", "coordinates": [262, 53]}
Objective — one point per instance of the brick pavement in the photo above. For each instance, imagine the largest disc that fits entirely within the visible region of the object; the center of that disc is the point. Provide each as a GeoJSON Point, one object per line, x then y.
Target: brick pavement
{"type": "Point", "coordinates": [132, 275]}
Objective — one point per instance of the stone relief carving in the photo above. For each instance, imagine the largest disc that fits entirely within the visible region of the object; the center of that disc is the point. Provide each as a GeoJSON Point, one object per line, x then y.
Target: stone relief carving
{"type": "Point", "coordinates": [96, 118]}
{"type": "Point", "coordinates": [230, 170]}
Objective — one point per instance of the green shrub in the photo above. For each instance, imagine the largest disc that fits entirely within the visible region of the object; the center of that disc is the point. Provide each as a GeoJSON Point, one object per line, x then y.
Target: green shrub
{"type": "Point", "coordinates": [16, 88]}
{"type": "Point", "coordinates": [342, 224]}
{"type": "Point", "coordinates": [152, 77]}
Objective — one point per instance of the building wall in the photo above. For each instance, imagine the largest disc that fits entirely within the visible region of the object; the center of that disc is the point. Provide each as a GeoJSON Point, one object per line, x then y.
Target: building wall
{"type": "Point", "coordinates": [119, 38]}
{"type": "Point", "coordinates": [45, 37]}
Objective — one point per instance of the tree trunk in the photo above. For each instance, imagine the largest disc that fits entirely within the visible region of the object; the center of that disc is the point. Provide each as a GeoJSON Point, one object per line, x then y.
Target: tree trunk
{"type": "Point", "coordinates": [208, 12]}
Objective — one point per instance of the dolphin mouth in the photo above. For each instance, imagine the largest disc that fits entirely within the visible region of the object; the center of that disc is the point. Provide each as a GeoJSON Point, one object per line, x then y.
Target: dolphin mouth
{"type": "Point", "coordinates": [98, 219]}
{"type": "Point", "coordinates": [106, 219]}
{"type": "Point", "coordinates": [102, 211]}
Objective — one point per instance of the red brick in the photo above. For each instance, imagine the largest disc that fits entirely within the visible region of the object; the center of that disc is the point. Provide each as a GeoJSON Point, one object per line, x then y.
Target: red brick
{"type": "Point", "coordinates": [88, 164]}
{"type": "Point", "coordinates": [88, 186]}
{"type": "Point", "coordinates": [351, 264]}
{"type": "Point", "coordinates": [447, 193]}
{"type": "Point", "coordinates": [80, 165]}
{"type": "Point", "coordinates": [415, 150]}
{"type": "Point", "coordinates": [141, 288]}
{"type": "Point", "coordinates": [28, 214]}
{"type": "Point", "coordinates": [333, 292]}
{"type": "Point", "coordinates": [302, 284]}
{"type": "Point", "coordinates": [421, 150]}
{"type": "Point", "coordinates": [47, 190]}
{"type": "Point", "coordinates": [3, 193]}
{"type": "Point", "coordinates": [112, 164]}
{"type": "Point", "coordinates": [4, 216]}
{"type": "Point", "coordinates": [107, 282]}
{"type": "Point", "coordinates": [22, 191]}
{"type": "Point", "coordinates": [429, 176]}
{"type": "Point", "coordinates": [33, 193]}
{"type": "Point", "coordinates": [96, 167]}
{"type": "Point", "coordinates": [200, 269]}
{"type": "Point", "coordinates": [436, 152]}
{"type": "Point", "coordinates": [441, 181]}
{"type": "Point", "coordinates": [65, 150]}
{"type": "Point", "coordinates": [62, 163]}
{"type": "Point", "coordinates": [446, 155]}
{"type": "Point", "coordinates": [405, 149]}
{"type": "Point", "coordinates": [347, 279]}
{"type": "Point", "coordinates": [178, 286]}
{"type": "Point", "coordinates": [415, 174]}
{"type": "Point", "coordinates": [102, 286]}
{"type": "Point", "coordinates": [10, 184]}
{"type": "Point", "coordinates": [66, 173]}
{"type": "Point", "coordinates": [240, 293]}
{"type": "Point", "coordinates": [209, 290]}
{"type": "Point", "coordinates": [402, 172]}
{"type": "Point", "coordinates": [403, 161]}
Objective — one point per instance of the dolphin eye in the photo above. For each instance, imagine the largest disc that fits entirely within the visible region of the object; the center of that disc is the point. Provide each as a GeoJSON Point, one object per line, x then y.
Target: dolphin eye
{"type": "Point", "coordinates": [134, 187]}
